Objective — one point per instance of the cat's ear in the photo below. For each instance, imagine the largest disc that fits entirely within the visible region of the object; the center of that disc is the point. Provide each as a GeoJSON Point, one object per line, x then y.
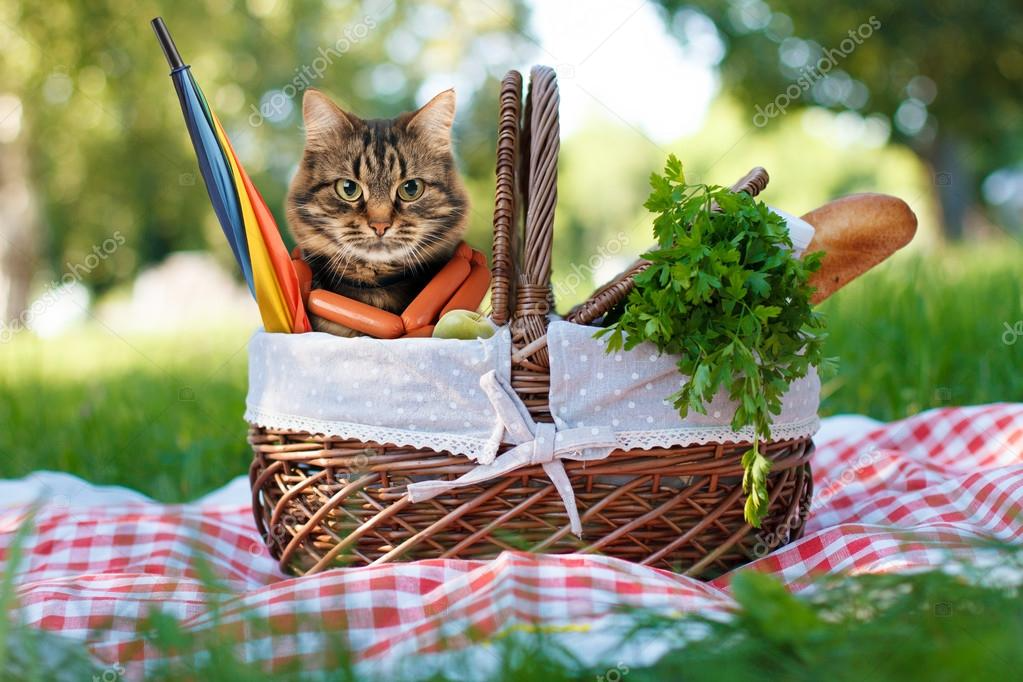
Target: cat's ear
{"type": "Point", "coordinates": [435, 118]}
{"type": "Point", "coordinates": [323, 119]}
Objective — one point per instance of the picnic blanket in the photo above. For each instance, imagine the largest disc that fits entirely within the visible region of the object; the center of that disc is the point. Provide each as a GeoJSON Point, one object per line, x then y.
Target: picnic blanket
{"type": "Point", "coordinates": [888, 497]}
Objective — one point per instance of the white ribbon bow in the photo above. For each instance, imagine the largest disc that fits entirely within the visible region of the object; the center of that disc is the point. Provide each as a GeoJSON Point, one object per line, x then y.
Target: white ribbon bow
{"type": "Point", "coordinates": [535, 443]}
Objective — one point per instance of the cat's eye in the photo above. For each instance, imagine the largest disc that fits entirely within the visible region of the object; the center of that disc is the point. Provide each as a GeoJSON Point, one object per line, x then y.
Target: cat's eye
{"type": "Point", "coordinates": [348, 189]}
{"type": "Point", "coordinates": [410, 190]}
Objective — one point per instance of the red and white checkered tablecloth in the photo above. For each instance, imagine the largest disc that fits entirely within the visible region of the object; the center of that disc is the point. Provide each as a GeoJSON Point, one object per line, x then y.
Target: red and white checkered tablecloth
{"type": "Point", "coordinates": [895, 497]}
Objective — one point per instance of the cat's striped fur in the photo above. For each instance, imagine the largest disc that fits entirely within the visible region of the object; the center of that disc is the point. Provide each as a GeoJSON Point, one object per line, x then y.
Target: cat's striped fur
{"type": "Point", "coordinates": [379, 249]}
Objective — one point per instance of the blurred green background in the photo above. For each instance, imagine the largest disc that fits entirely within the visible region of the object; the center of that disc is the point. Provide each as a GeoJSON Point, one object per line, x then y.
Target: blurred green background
{"type": "Point", "coordinates": [122, 351]}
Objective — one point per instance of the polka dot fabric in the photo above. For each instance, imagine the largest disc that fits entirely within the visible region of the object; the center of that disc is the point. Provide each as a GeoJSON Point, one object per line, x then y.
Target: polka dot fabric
{"type": "Point", "coordinates": [422, 393]}
{"type": "Point", "coordinates": [629, 391]}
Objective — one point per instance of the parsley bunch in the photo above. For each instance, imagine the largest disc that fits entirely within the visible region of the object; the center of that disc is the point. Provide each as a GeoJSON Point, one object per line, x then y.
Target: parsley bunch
{"type": "Point", "coordinates": [725, 293]}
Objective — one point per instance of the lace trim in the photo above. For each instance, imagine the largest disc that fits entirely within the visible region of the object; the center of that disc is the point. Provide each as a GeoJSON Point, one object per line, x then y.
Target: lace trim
{"type": "Point", "coordinates": [483, 449]}
{"type": "Point", "coordinates": [702, 435]}
{"type": "Point", "coordinates": [468, 446]}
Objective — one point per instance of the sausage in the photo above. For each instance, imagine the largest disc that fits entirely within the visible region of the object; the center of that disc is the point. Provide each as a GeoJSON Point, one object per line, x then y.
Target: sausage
{"type": "Point", "coordinates": [464, 251]}
{"type": "Point", "coordinates": [420, 333]}
{"type": "Point", "coordinates": [305, 276]}
{"type": "Point", "coordinates": [472, 292]}
{"type": "Point", "coordinates": [478, 258]}
{"type": "Point", "coordinates": [356, 315]}
{"type": "Point", "coordinates": [424, 308]}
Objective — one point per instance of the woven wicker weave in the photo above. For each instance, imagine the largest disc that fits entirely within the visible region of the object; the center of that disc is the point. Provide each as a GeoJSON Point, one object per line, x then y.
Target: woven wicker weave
{"type": "Point", "coordinates": [324, 502]}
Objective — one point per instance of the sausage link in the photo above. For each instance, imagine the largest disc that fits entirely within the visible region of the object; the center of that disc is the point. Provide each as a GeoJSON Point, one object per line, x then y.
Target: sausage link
{"type": "Point", "coordinates": [435, 295]}
{"type": "Point", "coordinates": [356, 315]}
{"type": "Point", "coordinates": [420, 333]}
{"type": "Point", "coordinates": [472, 292]}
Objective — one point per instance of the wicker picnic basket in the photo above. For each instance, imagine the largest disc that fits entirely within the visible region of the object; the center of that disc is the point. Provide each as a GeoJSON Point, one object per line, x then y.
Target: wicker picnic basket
{"type": "Point", "coordinates": [322, 502]}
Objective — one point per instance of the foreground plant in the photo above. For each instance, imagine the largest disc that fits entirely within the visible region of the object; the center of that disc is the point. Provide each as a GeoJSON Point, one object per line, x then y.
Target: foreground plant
{"type": "Point", "coordinates": [724, 293]}
{"type": "Point", "coordinates": [954, 624]}
{"type": "Point", "coordinates": [963, 622]}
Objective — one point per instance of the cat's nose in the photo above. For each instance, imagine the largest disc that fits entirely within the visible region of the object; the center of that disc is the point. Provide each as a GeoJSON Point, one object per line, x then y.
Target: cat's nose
{"type": "Point", "coordinates": [380, 226]}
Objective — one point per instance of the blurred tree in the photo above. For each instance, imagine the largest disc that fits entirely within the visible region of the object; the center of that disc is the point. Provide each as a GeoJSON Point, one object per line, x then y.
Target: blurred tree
{"type": "Point", "coordinates": [943, 75]}
{"type": "Point", "coordinates": [17, 224]}
{"type": "Point", "coordinates": [107, 152]}
{"type": "Point", "coordinates": [601, 225]}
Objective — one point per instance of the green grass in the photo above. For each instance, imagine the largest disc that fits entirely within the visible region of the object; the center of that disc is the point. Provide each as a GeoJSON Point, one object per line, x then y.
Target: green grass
{"type": "Point", "coordinates": [161, 415]}
{"type": "Point", "coordinates": [927, 626]}
{"type": "Point", "coordinates": [927, 330]}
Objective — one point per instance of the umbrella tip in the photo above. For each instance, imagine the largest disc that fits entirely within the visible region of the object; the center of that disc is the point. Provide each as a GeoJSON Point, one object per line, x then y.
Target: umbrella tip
{"type": "Point", "coordinates": [170, 50]}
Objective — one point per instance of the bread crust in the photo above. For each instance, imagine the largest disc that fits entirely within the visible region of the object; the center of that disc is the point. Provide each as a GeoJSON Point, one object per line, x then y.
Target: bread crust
{"type": "Point", "coordinates": [856, 232]}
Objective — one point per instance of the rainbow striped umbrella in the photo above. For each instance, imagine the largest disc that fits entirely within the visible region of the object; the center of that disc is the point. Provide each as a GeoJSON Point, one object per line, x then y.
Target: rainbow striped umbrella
{"type": "Point", "coordinates": [247, 222]}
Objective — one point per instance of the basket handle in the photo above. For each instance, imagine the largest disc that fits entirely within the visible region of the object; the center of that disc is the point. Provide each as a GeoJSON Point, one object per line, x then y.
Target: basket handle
{"type": "Point", "coordinates": [614, 292]}
{"type": "Point", "coordinates": [538, 154]}
{"type": "Point", "coordinates": [505, 199]}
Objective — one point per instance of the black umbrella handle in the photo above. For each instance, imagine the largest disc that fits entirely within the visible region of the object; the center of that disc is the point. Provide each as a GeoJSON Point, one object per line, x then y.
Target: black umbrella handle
{"type": "Point", "coordinates": [170, 50]}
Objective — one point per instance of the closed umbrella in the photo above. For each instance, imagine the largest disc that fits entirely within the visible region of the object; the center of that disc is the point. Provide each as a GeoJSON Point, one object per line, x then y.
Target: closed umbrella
{"type": "Point", "coordinates": [247, 223]}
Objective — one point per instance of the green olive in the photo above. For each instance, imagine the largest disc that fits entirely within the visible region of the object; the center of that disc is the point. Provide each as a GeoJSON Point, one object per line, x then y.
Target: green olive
{"type": "Point", "coordinates": [410, 190]}
{"type": "Point", "coordinates": [348, 189]}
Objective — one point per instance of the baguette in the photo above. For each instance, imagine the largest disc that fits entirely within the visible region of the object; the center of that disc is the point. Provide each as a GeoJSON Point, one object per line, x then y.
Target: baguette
{"type": "Point", "coordinates": [856, 233]}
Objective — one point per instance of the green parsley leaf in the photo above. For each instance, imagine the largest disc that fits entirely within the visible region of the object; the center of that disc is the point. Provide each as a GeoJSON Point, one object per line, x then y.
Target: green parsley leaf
{"type": "Point", "coordinates": [725, 294]}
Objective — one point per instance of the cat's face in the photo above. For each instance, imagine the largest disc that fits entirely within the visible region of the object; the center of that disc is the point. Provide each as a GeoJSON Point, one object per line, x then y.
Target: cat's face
{"type": "Point", "coordinates": [380, 194]}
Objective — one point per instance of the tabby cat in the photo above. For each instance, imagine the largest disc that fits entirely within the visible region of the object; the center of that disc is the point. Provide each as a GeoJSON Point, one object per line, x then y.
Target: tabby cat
{"type": "Point", "coordinates": [377, 206]}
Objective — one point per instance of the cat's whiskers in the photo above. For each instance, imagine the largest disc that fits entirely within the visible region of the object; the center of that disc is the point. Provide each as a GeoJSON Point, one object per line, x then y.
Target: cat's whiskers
{"type": "Point", "coordinates": [343, 252]}
{"type": "Point", "coordinates": [413, 250]}
{"type": "Point", "coordinates": [407, 257]}
{"type": "Point", "coordinates": [431, 238]}
{"type": "Point", "coordinates": [335, 258]}
{"type": "Point", "coordinates": [348, 255]}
